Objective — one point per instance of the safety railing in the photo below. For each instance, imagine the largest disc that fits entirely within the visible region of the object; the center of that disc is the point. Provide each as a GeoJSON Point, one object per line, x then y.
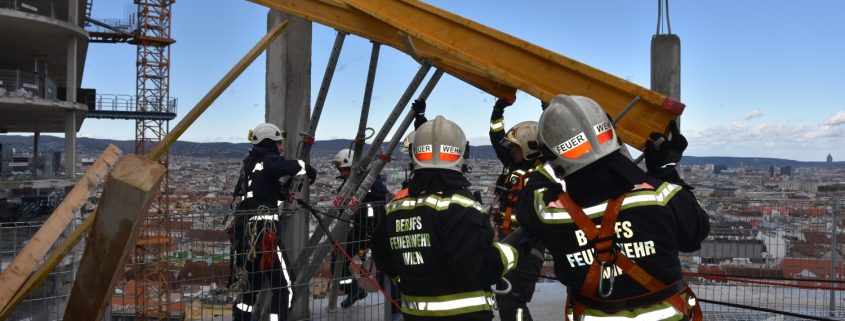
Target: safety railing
{"type": "Point", "coordinates": [771, 258]}
{"type": "Point", "coordinates": [48, 301]}
{"type": "Point", "coordinates": [127, 103]}
{"type": "Point", "coordinates": [764, 260]}
{"type": "Point", "coordinates": [210, 277]}
{"type": "Point", "coordinates": [16, 83]}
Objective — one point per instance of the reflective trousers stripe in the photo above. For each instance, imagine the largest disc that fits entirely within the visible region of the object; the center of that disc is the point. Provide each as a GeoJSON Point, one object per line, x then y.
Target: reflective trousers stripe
{"type": "Point", "coordinates": [286, 275]}
{"type": "Point", "coordinates": [662, 314]}
{"type": "Point", "coordinates": [519, 314]}
{"type": "Point", "coordinates": [274, 317]}
{"type": "Point", "coordinates": [448, 304]}
{"type": "Point", "coordinates": [244, 307]}
{"type": "Point", "coordinates": [345, 281]}
{"type": "Point", "coordinates": [274, 217]}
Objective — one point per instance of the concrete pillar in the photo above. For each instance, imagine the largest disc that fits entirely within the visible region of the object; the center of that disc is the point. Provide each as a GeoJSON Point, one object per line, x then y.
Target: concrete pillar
{"type": "Point", "coordinates": [36, 138]}
{"type": "Point", "coordinates": [73, 12]}
{"type": "Point", "coordinates": [288, 104]}
{"type": "Point", "coordinates": [666, 65]}
{"type": "Point", "coordinates": [70, 144]}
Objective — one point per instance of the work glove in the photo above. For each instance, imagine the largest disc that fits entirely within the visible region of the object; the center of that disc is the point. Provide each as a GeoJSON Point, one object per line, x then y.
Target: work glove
{"type": "Point", "coordinates": [669, 153]}
{"type": "Point", "coordinates": [311, 173]}
{"type": "Point", "coordinates": [418, 106]}
{"type": "Point", "coordinates": [503, 103]}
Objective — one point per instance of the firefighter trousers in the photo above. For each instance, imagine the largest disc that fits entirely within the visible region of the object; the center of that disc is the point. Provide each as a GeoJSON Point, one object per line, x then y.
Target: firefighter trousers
{"type": "Point", "coordinates": [277, 275]}
{"type": "Point", "coordinates": [514, 305]}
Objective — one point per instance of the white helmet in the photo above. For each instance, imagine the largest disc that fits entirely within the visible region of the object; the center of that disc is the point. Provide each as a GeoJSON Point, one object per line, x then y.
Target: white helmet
{"type": "Point", "coordinates": [343, 158]}
{"type": "Point", "coordinates": [576, 132]}
{"type": "Point", "coordinates": [439, 143]}
{"type": "Point", "coordinates": [407, 142]}
{"type": "Point", "coordinates": [266, 130]}
{"type": "Point", "coordinates": [523, 135]}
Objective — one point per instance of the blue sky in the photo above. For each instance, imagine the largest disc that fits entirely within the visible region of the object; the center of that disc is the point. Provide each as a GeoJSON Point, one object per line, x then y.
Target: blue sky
{"type": "Point", "coordinates": [759, 78]}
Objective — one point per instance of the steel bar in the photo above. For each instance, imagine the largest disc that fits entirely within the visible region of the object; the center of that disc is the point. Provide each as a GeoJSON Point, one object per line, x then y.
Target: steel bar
{"type": "Point", "coordinates": [357, 175]}
{"type": "Point", "coordinates": [365, 106]}
{"type": "Point", "coordinates": [342, 225]}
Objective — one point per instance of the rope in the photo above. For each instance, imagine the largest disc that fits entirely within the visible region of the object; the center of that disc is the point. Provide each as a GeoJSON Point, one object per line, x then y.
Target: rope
{"type": "Point", "coordinates": [748, 307]}
{"type": "Point", "coordinates": [367, 276]}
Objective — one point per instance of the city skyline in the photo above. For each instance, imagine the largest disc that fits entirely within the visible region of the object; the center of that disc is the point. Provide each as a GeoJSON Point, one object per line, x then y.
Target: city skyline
{"type": "Point", "coordinates": [760, 83]}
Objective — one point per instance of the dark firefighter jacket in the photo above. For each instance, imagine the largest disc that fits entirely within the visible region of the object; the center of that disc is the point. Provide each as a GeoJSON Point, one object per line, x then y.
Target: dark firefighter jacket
{"type": "Point", "coordinates": [657, 220]}
{"type": "Point", "coordinates": [263, 168]}
{"type": "Point", "coordinates": [510, 182]}
{"type": "Point", "coordinates": [441, 249]}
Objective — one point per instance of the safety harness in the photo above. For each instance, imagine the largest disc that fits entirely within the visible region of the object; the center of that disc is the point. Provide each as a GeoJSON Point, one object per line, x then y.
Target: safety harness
{"type": "Point", "coordinates": [608, 257]}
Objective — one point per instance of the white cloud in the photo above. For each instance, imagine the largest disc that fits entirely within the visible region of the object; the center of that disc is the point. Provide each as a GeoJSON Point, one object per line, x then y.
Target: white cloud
{"type": "Point", "coordinates": [754, 114]}
{"type": "Point", "coordinates": [772, 139]}
{"type": "Point", "coordinates": [836, 120]}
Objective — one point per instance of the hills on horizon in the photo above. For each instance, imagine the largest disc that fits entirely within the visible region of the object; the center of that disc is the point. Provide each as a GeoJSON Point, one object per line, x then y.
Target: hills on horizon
{"type": "Point", "coordinates": [93, 146]}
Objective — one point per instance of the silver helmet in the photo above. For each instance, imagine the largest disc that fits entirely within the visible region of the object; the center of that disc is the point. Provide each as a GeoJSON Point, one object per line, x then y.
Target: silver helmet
{"type": "Point", "coordinates": [576, 131]}
{"type": "Point", "coordinates": [523, 135]}
{"type": "Point", "coordinates": [343, 158]}
{"type": "Point", "coordinates": [439, 143]}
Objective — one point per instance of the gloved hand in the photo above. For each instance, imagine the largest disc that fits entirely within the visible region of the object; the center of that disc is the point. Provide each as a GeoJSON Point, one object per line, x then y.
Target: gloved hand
{"type": "Point", "coordinates": [503, 103]}
{"type": "Point", "coordinates": [669, 152]}
{"type": "Point", "coordinates": [311, 173]}
{"type": "Point", "coordinates": [418, 106]}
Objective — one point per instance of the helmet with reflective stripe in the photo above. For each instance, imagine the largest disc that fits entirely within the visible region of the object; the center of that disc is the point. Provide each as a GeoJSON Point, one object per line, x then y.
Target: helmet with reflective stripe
{"type": "Point", "coordinates": [439, 143]}
{"type": "Point", "coordinates": [575, 132]}
{"type": "Point", "coordinates": [523, 135]}
{"type": "Point", "coordinates": [264, 131]}
{"type": "Point", "coordinates": [343, 158]}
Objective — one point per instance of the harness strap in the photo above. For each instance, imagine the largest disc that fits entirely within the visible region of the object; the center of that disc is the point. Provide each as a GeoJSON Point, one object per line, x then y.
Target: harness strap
{"type": "Point", "coordinates": [605, 251]}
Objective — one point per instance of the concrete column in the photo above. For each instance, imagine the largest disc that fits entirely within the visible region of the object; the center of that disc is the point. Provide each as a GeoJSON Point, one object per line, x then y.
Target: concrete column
{"type": "Point", "coordinates": [666, 65]}
{"type": "Point", "coordinates": [73, 12]}
{"type": "Point", "coordinates": [70, 144]}
{"type": "Point", "coordinates": [288, 104]}
{"type": "Point", "coordinates": [71, 78]}
{"type": "Point", "coordinates": [36, 138]}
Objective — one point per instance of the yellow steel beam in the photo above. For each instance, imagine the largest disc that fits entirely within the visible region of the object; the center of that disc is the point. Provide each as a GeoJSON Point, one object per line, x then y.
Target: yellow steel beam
{"type": "Point", "coordinates": [451, 41]}
{"type": "Point", "coordinates": [535, 70]}
{"type": "Point", "coordinates": [337, 15]}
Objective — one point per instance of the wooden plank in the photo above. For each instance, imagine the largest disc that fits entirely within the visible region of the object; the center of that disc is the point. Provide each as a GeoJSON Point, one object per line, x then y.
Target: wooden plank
{"type": "Point", "coordinates": [337, 15]}
{"type": "Point", "coordinates": [127, 196]}
{"type": "Point", "coordinates": [26, 261]}
{"type": "Point", "coordinates": [528, 67]}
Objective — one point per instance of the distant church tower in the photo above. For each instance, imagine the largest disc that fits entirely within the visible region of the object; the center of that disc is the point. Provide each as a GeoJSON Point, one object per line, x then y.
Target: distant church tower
{"type": "Point", "coordinates": [829, 161]}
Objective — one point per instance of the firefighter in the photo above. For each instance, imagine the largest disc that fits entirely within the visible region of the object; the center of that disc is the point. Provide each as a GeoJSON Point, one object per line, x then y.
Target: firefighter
{"type": "Point", "coordinates": [260, 253]}
{"type": "Point", "coordinates": [519, 152]}
{"type": "Point", "coordinates": [435, 241]}
{"type": "Point", "coordinates": [611, 215]}
{"type": "Point", "coordinates": [361, 228]}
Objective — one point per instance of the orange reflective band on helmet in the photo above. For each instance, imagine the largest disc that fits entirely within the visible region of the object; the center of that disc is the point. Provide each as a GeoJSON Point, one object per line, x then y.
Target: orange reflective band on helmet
{"type": "Point", "coordinates": [423, 153]}
{"type": "Point", "coordinates": [450, 153]}
{"type": "Point", "coordinates": [603, 132]}
{"type": "Point", "coordinates": [574, 147]}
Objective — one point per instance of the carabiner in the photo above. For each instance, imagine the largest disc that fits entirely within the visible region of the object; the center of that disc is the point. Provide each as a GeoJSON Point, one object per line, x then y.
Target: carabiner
{"type": "Point", "coordinates": [506, 290]}
{"type": "Point", "coordinates": [611, 279]}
